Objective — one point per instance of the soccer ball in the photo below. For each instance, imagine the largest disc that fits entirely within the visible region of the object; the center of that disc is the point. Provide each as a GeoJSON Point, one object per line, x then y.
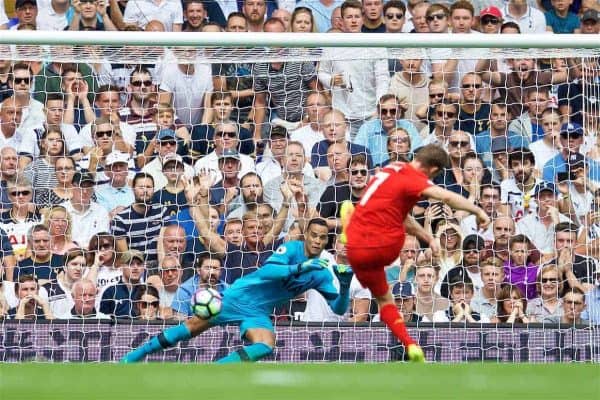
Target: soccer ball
{"type": "Point", "coordinates": [206, 303]}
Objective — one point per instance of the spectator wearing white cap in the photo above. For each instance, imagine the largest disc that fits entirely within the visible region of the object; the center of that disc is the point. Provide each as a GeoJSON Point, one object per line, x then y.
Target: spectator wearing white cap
{"type": "Point", "coordinates": [117, 194]}
{"type": "Point", "coordinates": [172, 195]}
{"type": "Point", "coordinates": [166, 144]}
{"type": "Point", "coordinates": [87, 216]}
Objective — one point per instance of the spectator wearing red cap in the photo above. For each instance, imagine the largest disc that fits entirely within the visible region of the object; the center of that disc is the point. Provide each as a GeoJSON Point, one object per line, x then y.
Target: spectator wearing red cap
{"type": "Point", "coordinates": [490, 20]}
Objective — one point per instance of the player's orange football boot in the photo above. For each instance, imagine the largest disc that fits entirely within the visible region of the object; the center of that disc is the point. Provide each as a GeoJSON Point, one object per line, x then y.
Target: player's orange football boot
{"type": "Point", "coordinates": [346, 210]}
{"type": "Point", "coordinates": [415, 353]}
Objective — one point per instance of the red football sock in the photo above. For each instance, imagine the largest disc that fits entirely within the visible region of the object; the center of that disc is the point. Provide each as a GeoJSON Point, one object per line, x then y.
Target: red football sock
{"type": "Point", "coordinates": [390, 315]}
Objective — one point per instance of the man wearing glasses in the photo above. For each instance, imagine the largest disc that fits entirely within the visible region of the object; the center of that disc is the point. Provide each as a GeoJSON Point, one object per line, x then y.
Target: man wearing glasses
{"type": "Point", "coordinates": [225, 138]}
{"type": "Point", "coordinates": [166, 145]}
{"type": "Point", "coordinates": [373, 134]}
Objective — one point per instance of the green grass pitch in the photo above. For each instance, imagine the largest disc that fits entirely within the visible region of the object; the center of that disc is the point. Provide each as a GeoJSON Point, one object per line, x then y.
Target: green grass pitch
{"type": "Point", "coordinates": [38, 381]}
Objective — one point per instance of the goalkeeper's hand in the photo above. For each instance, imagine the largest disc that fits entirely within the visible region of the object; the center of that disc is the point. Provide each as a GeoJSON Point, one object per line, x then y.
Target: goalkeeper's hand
{"type": "Point", "coordinates": [344, 274]}
{"type": "Point", "coordinates": [311, 265]}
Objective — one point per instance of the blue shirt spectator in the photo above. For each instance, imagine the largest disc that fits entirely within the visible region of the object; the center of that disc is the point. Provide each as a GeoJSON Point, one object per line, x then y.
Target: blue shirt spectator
{"type": "Point", "coordinates": [559, 164]}
{"type": "Point", "coordinates": [183, 296]}
{"type": "Point", "coordinates": [483, 144]}
{"type": "Point", "coordinates": [592, 306]}
{"type": "Point", "coordinates": [372, 136]}
{"type": "Point", "coordinates": [567, 24]}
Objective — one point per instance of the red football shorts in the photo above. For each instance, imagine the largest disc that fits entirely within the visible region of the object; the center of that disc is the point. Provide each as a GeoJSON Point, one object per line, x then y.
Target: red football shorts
{"type": "Point", "coordinates": [369, 265]}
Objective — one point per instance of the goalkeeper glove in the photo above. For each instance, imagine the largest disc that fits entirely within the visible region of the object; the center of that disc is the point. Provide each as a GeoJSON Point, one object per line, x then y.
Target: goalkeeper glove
{"type": "Point", "coordinates": [344, 274]}
{"type": "Point", "coordinates": [310, 265]}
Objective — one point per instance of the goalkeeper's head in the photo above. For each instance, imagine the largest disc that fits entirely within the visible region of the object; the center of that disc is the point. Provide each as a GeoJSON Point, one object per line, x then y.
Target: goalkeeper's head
{"type": "Point", "coordinates": [316, 237]}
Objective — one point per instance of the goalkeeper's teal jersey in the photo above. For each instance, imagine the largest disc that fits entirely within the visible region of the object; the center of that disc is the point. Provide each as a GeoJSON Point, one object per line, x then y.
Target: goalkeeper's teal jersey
{"type": "Point", "coordinates": [266, 288]}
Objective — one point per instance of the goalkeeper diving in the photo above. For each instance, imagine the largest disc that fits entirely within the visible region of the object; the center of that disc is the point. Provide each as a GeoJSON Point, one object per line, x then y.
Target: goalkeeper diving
{"type": "Point", "coordinates": [292, 269]}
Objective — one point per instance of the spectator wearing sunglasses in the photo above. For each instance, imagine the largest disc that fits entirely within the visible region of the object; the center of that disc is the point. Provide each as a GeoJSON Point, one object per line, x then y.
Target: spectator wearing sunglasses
{"type": "Point", "coordinates": [394, 16]}
{"type": "Point", "coordinates": [374, 134]}
{"type": "Point", "coordinates": [166, 146]}
{"type": "Point", "coordinates": [548, 305]}
{"type": "Point", "coordinates": [490, 20]}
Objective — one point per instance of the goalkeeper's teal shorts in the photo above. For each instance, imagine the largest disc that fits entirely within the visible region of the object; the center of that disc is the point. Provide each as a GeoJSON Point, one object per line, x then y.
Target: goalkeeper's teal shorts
{"type": "Point", "coordinates": [245, 317]}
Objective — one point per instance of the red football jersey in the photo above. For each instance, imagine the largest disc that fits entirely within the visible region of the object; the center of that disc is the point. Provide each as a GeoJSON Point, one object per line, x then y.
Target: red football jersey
{"type": "Point", "coordinates": [378, 219]}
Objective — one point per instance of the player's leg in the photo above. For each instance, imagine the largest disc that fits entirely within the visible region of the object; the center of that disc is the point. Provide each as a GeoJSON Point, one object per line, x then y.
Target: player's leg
{"type": "Point", "coordinates": [168, 338]}
{"type": "Point", "coordinates": [368, 265]}
{"type": "Point", "coordinates": [261, 335]}
{"type": "Point", "coordinates": [346, 210]}
{"type": "Point", "coordinates": [390, 315]}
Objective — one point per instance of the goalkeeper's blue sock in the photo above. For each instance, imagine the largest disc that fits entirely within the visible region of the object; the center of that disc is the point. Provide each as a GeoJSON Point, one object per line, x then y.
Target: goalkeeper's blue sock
{"type": "Point", "coordinates": [167, 338]}
{"type": "Point", "coordinates": [254, 352]}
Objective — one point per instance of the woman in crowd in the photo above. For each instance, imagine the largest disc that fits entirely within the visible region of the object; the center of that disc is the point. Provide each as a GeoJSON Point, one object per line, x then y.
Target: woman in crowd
{"type": "Point", "coordinates": [398, 146]}
{"type": "Point", "coordinates": [146, 303]}
{"type": "Point", "coordinates": [41, 172]}
{"type": "Point", "coordinates": [102, 248]}
{"type": "Point", "coordinates": [59, 225]}
{"type": "Point", "coordinates": [548, 305]}
{"type": "Point", "coordinates": [62, 191]}
{"type": "Point", "coordinates": [302, 20]}
{"type": "Point", "coordinates": [511, 306]}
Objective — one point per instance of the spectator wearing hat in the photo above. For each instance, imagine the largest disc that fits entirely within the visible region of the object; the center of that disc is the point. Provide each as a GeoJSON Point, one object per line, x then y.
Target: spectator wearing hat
{"type": "Point", "coordinates": [224, 191]}
{"type": "Point", "coordinates": [26, 12]}
{"type": "Point", "coordinates": [571, 140]}
{"type": "Point", "coordinates": [88, 217]}
{"type": "Point", "coordinates": [559, 19]}
{"type": "Point", "coordinates": [172, 195]}
{"type": "Point", "coordinates": [117, 194]}
{"type": "Point", "coordinates": [577, 195]}
{"type": "Point", "coordinates": [490, 20]}
{"type": "Point", "coordinates": [461, 293]}
{"type": "Point", "coordinates": [270, 164]}
{"type": "Point", "coordinates": [590, 22]}
{"type": "Point", "coordinates": [500, 149]}
{"type": "Point", "coordinates": [166, 145]}
{"type": "Point", "coordinates": [518, 191]}
{"type": "Point", "coordinates": [468, 269]}
{"type": "Point", "coordinates": [539, 225]}
{"type": "Point", "coordinates": [404, 297]}
{"type": "Point", "coordinates": [226, 138]}
{"type": "Point", "coordinates": [117, 300]}
{"type": "Point", "coordinates": [498, 128]}
{"type": "Point", "coordinates": [138, 226]}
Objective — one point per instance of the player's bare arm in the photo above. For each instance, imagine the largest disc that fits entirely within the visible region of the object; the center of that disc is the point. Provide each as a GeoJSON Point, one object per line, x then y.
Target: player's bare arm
{"type": "Point", "coordinates": [457, 202]}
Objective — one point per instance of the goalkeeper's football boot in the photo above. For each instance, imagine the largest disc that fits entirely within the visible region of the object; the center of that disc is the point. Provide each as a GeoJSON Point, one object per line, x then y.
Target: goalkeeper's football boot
{"type": "Point", "coordinates": [415, 353]}
{"type": "Point", "coordinates": [346, 210]}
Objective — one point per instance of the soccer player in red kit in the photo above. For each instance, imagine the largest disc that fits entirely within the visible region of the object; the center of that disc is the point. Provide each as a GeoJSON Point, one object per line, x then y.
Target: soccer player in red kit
{"type": "Point", "coordinates": [376, 228]}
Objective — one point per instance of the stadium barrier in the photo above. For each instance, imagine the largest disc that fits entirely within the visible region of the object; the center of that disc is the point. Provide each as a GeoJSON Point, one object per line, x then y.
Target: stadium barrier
{"type": "Point", "coordinates": [106, 341]}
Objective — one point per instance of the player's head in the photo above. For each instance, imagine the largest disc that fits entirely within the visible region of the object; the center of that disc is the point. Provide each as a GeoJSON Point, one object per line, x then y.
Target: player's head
{"type": "Point", "coordinates": [431, 160]}
{"type": "Point", "coordinates": [316, 237]}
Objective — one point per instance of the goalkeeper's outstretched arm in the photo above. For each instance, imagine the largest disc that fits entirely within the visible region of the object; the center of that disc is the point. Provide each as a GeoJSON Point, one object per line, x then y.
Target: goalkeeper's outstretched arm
{"type": "Point", "coordinates": [340, 304]}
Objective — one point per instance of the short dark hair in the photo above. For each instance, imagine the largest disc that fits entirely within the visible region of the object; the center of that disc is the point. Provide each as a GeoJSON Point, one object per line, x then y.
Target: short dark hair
{"type": "Point", "coordinates": [350, 4]}
{"type": "Point", "coordinates": [519, 239]}
{"type": "Point", "coordinates": [521, 154]}
{"type": "Point", "coordinates": [565, 227]}
{"type": "Point", "coordinates": [462, 5]}
{"type": "Point", "coordinates": [205, 255]}
{"type": "Point", "coordinates": [105, 89]}
{"type": "Point", "coordinates": [53, 96]}
{"type": "Point", "coordinates": [490, 185]}
{"type": "Point", "coordinates": [141, 175]}
{"type": "Point", "coordinates": [510, 24]}
{"type": "Point", "coordinates": [316, 221]}
{"type": "Point", "coordinates": [23, 279]}
{"type": "Point", "coordinates": [139, 69]}
{"type": "Point", "coordinates": [394, 4]}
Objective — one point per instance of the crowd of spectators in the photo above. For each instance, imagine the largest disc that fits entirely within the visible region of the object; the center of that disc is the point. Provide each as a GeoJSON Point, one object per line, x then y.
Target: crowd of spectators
{"type": "Point", "coordinates": [125, 188]}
